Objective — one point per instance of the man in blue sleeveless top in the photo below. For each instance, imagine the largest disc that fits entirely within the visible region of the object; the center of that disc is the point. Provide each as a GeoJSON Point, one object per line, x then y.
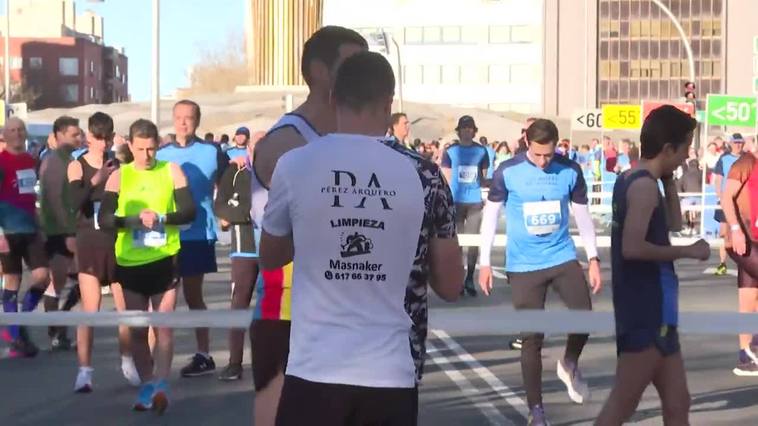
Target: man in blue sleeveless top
{"type": "Point", "coordinates": [465, 165]}
{"type": "Point", "coordinates": [645, 286]}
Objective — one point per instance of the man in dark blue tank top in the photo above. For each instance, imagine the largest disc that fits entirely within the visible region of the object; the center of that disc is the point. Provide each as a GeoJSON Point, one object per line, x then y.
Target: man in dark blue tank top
{"type": "Point", "coordinates": [645, 285]}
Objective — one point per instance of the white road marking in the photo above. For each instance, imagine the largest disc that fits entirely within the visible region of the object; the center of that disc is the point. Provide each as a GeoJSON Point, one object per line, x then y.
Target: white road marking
{"type": "Point", "coordinates": [510, 397]}
{"type": "Point", "coordinates": [489, 411]}
{"type": "Point", "coordinates": [711, 271]}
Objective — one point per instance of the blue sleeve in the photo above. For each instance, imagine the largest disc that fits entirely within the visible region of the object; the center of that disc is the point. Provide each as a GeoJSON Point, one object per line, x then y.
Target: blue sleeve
{"type": "Point", "coordinates": [579, 191]}
{"type": "Point", "coordinates": [719, 169]}
{"type": "Point", "coordinates": [446, 162]}
{"type": "Point", "coordinates": [498, 192]}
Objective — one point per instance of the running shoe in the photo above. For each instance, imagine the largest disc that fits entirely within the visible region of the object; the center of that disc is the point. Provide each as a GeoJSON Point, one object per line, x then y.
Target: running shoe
{"type": "Point", "coordinates": [746, 369]}
{"type": "Point", "coordinates": [720, 270]}
{"type": "Point", "coordinates": [22, 348]}
{"type": "Point", "coordinates": [61, 342]}
{"type": "Point", "coordinates": [537, 416]}
{"type": "Point", "coordinates": [83, 380]}
{"type": "Point", "coordinates": [469, 287]}
{"type": "Point", "coordinates": [160, 396]}
{"type": "Point", "coordinates": [516, 344]}
{"type": "Point", "coordinates": [231, 372]}
{"type": "Point", "coordinates": [199, 366]}
{"type": "Point", "coordinates": [130, 371]}
{"type": "Point", "coordinates": [144, 398]}
{"type": "Point", "coordinates": [576, 386]}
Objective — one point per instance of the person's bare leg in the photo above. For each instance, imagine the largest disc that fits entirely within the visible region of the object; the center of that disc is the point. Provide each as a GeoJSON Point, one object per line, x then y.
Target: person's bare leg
{"type": "Point", "coordinates": [671, 382]}
{"type": "Point", "coordinates": [193, 295]}
{"type": "Point", "coordinates": [267, 402]}
{"type": "Point", "coordinates": [748, 302]}
{"type": "Point", "coordinates": [634, 372]}
{"type": "Point", "coordinates": [89, 287]}
{"type": "Point", "coordinates": [138, 342]}
{"type": "Point", "coordinates": [123, 331]}
{"type": "Point", "coordinates": [164, 347]}
{"type": "Point", "coordinates": [59, 266]}
{"type": "Point", "coordinates": [243, 293]}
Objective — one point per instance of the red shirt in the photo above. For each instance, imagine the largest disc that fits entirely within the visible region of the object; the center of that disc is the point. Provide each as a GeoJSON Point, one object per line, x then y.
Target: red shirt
{"type": "Point", "coordinates": [18, 176]}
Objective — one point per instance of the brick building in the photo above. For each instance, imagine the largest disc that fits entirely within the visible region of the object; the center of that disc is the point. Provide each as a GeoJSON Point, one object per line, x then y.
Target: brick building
{"type": "Point", "coordinates": [59, 60]}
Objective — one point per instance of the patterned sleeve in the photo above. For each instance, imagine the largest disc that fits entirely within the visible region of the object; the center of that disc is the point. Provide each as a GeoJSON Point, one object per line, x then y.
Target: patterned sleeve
{"type": "Point", "coordinates": [442, 207]}
{"type": "Point", "coordinates": [742, 168]}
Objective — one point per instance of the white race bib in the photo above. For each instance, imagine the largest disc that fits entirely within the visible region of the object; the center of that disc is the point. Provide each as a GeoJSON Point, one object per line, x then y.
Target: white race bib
{"type": "Point", "coordinates": [154, 238]}
{"type": "Point", "coordinates": [542, 217]}
{"type": "Point", "coordinates": [467, 174]}
{"type": "Point", "coordinates": [95, 212]}
{"type": "Point", "coordinates": [26, 179]}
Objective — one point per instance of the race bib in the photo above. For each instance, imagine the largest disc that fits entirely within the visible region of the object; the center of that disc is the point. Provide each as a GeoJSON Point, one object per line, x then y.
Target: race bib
{"type": "Point", "coordinates": [153, 238]}
{"type": "Point", "coordinates": [542, 217]}
{"type": "Point", "coordinates": [467, 174]}
{"type": "Point", "coordinates": [95, 212]}
{"type": "Point", "coordinates": [26, 179]}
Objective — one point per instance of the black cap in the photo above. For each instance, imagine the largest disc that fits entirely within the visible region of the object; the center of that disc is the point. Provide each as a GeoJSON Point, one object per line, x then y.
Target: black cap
{"type": "Point", "coordinates": [242, 131]}
{"type": "Point", "coordinates": [737, 138]}
{"type": "Point", "coordinates": [466, 121]}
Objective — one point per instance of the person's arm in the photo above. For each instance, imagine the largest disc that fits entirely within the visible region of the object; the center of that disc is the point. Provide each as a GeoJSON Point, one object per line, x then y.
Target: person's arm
{"type": "Point", "coordinates": [277, 246]}
{"type": "Point", "coordinates": [446, 164]}
{"type": "Point", "coordinates": [445, 255]}
{"type": "Point", "coordinates": [484, 166]}
{"type": "Point", "coordinates": [673, 204]}
{"type": "Point", "coordinates": [269, 149]}
{"type": "Point", "coordinates": [52, 179]}
{"type": "Point", "coordinates": [490, 214]}
{"type": "Point", "coordinates": [107, 215]}
{"type": "Point", "coordinates": [643, 198]}
{"type": "Point", "coordinates": [185, 210]}
{"type": "Point", "coordinates": [78, 190]}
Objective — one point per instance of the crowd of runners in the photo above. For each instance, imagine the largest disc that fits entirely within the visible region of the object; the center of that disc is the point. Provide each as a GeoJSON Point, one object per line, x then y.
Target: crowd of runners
{"type": "Point", "coordinates": [340, 228]}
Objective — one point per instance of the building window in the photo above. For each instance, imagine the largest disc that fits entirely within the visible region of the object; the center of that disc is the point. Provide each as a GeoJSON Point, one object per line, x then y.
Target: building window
{"type": "Point", "coordinates": [91, 67]}
{"type": "Point", "coordinates": [473, 34]}
{"type": "Point", "coordinates": [451, 74]}
{"type": "Point", "coordinates": [118, 72]}
{"type": "Point", "coordinates": [432, 35]}
{"type": "Point", "coordinates": [35, 63]}
{"type": "Point", "coordinates": [523, 73]}
{"type": "Point", "coordinates": [414, 35]}
{"type": "Point", "coordinates": [68, 66]}
{"type": "Point", "coordinates": [499, 74]}
{"type": "Point", "coordinates": [432, 74]}
{"type": "Point", "coordinates": [70, 93]}
{"type": "Point", "coordinates": [474, 74]}
{"type": "Point", "coordinates": [451, 34]}
{"type": "Point", "coordinates": [413, 74]}
{"type": "Point", "coordinates": [523, 34]}
{"type": "Point", "coordinates": [91, 93]}
{"type": "Point", "coordinates": [500, 34]}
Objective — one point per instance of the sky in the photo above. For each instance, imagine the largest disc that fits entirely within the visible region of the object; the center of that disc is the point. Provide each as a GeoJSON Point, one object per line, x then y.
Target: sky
{"type": "Point", "coordinates": [186, 26]}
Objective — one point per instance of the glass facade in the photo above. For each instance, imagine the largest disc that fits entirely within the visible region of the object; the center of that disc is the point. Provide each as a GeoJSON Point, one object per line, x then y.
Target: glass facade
{"type": "Point", "coordinates": [641, 56]}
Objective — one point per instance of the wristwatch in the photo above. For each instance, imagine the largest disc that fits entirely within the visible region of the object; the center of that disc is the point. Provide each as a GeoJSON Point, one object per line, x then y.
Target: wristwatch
{"type": "Point", "coordinates": [736, 227]}
{"type": "Point", "coordinates": [595, 258]}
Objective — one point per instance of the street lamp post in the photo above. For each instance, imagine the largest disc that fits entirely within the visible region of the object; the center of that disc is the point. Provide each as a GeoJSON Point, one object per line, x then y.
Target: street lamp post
{"type": "Point", "coordinates": [155, 95]}
{"type": "Point", "coordinates": [682, 35]}
{"type": "Point", "coordinates": [7, 59]}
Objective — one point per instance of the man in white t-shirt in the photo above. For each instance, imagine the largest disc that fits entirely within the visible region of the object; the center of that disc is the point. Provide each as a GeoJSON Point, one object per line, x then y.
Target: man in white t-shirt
{"type": "Point", "coordinates": [372, 223]}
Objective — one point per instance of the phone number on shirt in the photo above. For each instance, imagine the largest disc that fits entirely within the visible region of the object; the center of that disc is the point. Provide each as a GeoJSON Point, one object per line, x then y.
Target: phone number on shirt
{"type": "Point", "coordinates": [344, 276]}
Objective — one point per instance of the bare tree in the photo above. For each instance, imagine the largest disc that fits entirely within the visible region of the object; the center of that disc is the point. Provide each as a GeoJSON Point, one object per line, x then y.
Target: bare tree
{"type": "Point", "coordinates": [220, 69]}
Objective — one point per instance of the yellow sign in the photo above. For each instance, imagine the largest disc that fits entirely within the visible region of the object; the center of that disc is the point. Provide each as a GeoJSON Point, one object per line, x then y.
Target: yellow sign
{"type": "Point", "coordinates": [622, 117]}
{"type": "Point", "coordinates": [4, 115]}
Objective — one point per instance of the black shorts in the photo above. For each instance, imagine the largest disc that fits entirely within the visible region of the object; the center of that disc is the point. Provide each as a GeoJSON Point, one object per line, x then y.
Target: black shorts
{"type": "Point", "coordinates": [197, 258]}
{"type": "Point", "coordinates": [270, 345]}
{"type": "Point", "coordinates": [56, 246]}
{"type": "Point", "coordinates": [148, 279]}
{"type": "Point", "coordinates": [665, 339]}
{"type": "Point", "coordinates": [95, 255]}
{"type": "Point", "coordinates": [243, 239]}
{"type": "Point", "coordinates": [747, 266]}
{"type": "Point", "coordinates": [28, 248]}
{"type": "Point", "coordinates": [718, 216]}
{"type": "Point", "coordinates": [468, 217]}
{"type": "Point", "coordinates": [310, 403]}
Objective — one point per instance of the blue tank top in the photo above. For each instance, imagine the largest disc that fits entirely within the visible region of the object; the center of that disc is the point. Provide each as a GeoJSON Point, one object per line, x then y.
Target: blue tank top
{"type": "Point", "coordinates": [645, 293]}
{"type": "Point", "coordinates": [491, 156]}
{"type": "Point", "coordinates": [465, 163]}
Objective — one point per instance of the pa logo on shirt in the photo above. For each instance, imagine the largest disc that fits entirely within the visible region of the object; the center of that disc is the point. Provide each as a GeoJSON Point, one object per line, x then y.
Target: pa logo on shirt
{"type": "Point", "coordinates": [349, 190]}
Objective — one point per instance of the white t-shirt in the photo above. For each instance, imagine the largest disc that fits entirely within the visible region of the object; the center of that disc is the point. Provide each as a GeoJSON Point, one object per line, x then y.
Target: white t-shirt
{"type": "Point", "coordinates": [357, 209]}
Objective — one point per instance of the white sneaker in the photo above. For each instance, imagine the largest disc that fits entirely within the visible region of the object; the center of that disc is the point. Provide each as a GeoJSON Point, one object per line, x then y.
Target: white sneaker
{"type": "Point", "coordinates": [576, 386]}
{"type": "Point", "coordinates": [130, 371]}
{"type": "Point", "coordinates": [83, 380]}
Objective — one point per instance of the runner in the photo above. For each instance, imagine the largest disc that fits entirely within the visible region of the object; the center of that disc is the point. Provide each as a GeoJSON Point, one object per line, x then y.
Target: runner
{"type": "Point", "coordinates": [20, 235]}
{"type": "Point", "coordinates": [720, 172]}
{"type": "Point", "coordinates": [645, 286]}
{"type": "Point", "coordinates": [95, 247]}
{"type": "Point", "coordinates": [232, 206]}
{"type": "Point", "coordinates": [322, 54]}
{"type": "Point", "coordinates": [537, 188]}
{"type": "Point", "coordinates": [490, 156]}
{"type": "Point", "coordinates": [364, 260]}
{"type": "Point", "coordinates": [465, 166]}
{"type": "Point", "coordinates": [144, 202]}
{"type": "Point", "coordinates": [240, 142]}
{"type": "Point", "coordinates": [203, 163]}
{"type": "Point", "coordinates": [740, 203]}
{"type": "Point", "coordinates": [58, 218]}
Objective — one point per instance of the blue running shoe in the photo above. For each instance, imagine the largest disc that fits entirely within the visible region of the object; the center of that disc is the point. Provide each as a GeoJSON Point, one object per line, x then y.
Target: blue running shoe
{"type": "Point", "coordinates": [144, 397]}
{"type": "Point", "coordinates": [160, 396]}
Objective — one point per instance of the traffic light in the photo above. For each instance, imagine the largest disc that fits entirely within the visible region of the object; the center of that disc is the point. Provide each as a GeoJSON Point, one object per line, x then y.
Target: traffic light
{"type": "Point", "coordinates": [689, 93]}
